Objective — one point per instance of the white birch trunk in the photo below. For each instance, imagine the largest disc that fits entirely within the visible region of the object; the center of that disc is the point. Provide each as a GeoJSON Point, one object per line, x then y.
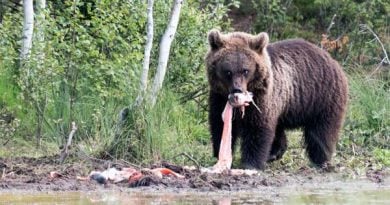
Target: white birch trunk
{"type": "Point", "coordinates": [28, 27]}
{"type": "Point", "coordinates": [165, 47]}
{"type": "Point", "coordinates": [148, 48]}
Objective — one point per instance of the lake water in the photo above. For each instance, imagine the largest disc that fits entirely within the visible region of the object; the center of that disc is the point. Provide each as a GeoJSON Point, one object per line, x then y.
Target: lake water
{"type": "Point", "coordinates": [285, 196]}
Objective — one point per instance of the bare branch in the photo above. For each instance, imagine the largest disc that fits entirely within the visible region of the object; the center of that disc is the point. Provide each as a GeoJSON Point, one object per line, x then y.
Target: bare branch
{"type": "Point", "coordinates": [325, 37]}
{"type": "Point", "coordinates": [364, 29]}
{"type": "Point", "coordinates": [331, 24]}
{"type": "Point", "coordinates": [65, 150]}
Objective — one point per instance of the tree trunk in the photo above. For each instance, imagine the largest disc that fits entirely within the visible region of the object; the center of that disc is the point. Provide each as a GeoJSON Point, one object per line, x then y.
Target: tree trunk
{"type": "Point", "coordinates": [165, 46]}
{"type": "Point", "coordinates": [28, 27]}
{"type": "Point", "coordinates": [148, 48]}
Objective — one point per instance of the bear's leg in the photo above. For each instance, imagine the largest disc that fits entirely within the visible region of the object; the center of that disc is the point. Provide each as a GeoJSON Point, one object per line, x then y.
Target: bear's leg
{"type": "Point", "coordinates": [256, 146]}
{"type": "Point", "coordinates": [279, 146]}
{"type": "Point", "coordinates": [216, 106]}
{"type": "Point", "coordinates": [321, 138]}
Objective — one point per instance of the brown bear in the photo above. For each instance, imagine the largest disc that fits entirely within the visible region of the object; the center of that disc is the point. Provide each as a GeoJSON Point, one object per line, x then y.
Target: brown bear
{"type": "Point", "coordinates": [294, 83]}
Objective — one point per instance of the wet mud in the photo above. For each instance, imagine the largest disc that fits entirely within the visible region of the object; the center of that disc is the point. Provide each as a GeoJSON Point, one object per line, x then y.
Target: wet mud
{"type": "Point", "coordinates": [36, 174]}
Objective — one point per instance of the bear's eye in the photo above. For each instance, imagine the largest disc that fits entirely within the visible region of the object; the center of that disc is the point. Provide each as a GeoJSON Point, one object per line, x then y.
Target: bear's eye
{"type": "Point", "coordinates": [246, 72]}
{"type": "Point", "coordinates": [228, 73]}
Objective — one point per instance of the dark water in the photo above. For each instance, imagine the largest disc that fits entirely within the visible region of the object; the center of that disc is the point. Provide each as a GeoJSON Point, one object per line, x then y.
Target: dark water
{"type": "Point", "coordinates": [375, 196]}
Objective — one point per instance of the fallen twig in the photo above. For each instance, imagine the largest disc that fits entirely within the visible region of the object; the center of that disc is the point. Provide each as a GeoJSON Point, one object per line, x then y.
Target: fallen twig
{"type": "Point", "coordinates": [64, 152]}
{"type": "Point", "coordinates": [190, 158]}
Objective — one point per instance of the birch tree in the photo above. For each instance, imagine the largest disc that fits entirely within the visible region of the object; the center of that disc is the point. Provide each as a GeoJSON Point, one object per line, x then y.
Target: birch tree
{"type": "Point", "coordinates": [165, 46]}
{"type": "Point", "coordinates": [148, 49]}
{"type": "Point", "coordinates": [28, 27]}
{"type": "Point", "coordinates": [33, 75]}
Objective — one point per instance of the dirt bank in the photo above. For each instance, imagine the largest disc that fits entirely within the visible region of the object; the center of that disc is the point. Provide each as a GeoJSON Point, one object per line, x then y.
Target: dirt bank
{"type": "Point", "coordinates": [33, 174]}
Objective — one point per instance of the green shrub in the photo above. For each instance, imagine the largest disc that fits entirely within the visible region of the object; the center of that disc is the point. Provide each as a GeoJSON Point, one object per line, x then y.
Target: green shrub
{"type": "Point", "coordinates": [92, 57]}
{"type": "Point", "coordinates": [383, 155]}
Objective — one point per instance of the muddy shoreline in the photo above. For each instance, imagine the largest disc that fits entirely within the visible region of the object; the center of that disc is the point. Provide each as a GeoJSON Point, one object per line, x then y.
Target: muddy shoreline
{"type": "Point", "coordinates": [33, 175]}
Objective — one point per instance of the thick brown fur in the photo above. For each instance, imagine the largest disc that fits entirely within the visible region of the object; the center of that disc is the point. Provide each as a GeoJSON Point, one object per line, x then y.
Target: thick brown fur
{"type": "Point", "coordinates": [295, 85]}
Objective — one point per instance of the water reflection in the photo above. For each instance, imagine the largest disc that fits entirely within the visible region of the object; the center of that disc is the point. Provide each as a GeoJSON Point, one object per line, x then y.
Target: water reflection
{"type": "Point", "coordinates": [223, 201]}
{"type": "Point", "coordinates": [342, 197]}
{"type": "Point", "coordinates": [142, 198]}
{"type": "Point", "coordinates": [138, 198]}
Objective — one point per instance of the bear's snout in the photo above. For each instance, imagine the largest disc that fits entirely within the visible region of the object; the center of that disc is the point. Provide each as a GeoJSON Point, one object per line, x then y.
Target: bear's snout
{"type": "Point", "coordinates": [240, 99]}
{"type": "Point", "coordinates": [238, 85]}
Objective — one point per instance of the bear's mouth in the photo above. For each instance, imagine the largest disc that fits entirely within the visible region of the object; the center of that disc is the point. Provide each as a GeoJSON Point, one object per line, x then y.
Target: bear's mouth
{"type": "Point", "coordinates": [240, 99]}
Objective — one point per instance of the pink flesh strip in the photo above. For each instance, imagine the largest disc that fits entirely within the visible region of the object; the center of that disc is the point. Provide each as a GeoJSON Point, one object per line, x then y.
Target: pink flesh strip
{"type": "Point", "coordinates": [225, 149]}
{"type": "Point", "coordinates": [225, 157]}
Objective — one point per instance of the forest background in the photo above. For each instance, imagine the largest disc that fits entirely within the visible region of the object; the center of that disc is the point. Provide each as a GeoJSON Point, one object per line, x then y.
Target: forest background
{"type": "Point", "coordinates": [86, 61]}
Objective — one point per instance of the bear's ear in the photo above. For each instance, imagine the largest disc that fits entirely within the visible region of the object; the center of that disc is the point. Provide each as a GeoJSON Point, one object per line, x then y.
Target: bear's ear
{"type": "Point", "coordinates": [215, 39]}
{"type": "Point", "coordinates": [259, 42]}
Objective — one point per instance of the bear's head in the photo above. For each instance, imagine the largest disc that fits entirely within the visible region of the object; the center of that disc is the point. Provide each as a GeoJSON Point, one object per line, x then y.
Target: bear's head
{"type": "Point", "coordinates": [238, 62]}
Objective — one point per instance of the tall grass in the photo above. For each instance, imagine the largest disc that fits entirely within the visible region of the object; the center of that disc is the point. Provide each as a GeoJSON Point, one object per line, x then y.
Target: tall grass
{"type": "Point", "coordinates": [8, 92]}
{"type": "Point", "coordinates": [368, 118]}
{"type": "Point", "coordinates": [168, 131]}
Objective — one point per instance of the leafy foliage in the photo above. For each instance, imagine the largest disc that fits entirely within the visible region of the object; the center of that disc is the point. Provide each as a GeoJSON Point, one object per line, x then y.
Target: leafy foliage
{"type": "Point", "coordinates": [309, 19]}
{"type": "Point", "coordinates": [90, 57]}
{"type": "Point", "coordinates": [88, 67]}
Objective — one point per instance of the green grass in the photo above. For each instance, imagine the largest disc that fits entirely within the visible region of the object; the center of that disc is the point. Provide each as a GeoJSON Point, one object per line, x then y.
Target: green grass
{"type": "Point", "coordinates": [9, 92]}
{"type": "Point", "coordinates": [22, 147]}
{"type": "Point", "coordinates": [368, 119]}
{"type": "Point", "coordinates": [164, 132]}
